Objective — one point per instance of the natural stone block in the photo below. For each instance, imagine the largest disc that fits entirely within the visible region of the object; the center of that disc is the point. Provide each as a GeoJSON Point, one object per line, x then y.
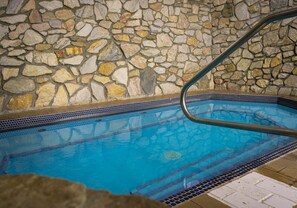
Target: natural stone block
{"type": "Point", "coordinates": [32, 38]}
{"type": "Point", "coordinates": [98, 91]}
{"type": "Point", "coordinates": [61, 97]}
{"type": "Point", "coordinates": [8, 73]}
{"type": "Point", "coordinates": [115, 91]}
{"type": "Point", "coordinates": [110, 53]}
{"type": "Point", "coordinates": [262, 83]}
{"type": "Point", "coordinates": [121, 76]}
{"type": "Point", "coordinates": [14, 19]}
{"type": "Point", "coordinates": [21, 102]}
{"type": "Point", "coordinates": [124, 38]}
{"type": "Point", "coordinates": [148, 81]}
{"type": "Point", "coordinates": [62, 75]}
{"type": "Point", "coordinates": [51, 5]}
{"type": "Point", "coordinates": [19, 85]}
{"type": "Point", "coordinates": [64, 14]}
{"type": "Point", "coordinates": [241, 11]}
{"type": "Point", "coordinates": [73, 51]}
{"type": "Point", "coordinates": [139, 61]}
{"type": "Point", "coordinates": [130, 49]}
{"type": "Point", "coordinates": [14, 6]}
{"type": "Point", "coordinates": [107, 69]}
{"type": "Point", "coordinates": [243, 64]}
{"type": "Point", "coordinates": [132, 5]}
{"type": "Point", "coordinates": [97, 46]}
{"type": "Point", "coordinates": [7, 61]}
{"type": "Point", "coordinates": [72, 88]}
{"type": "Point", "coordinates": [291, 81]}
{"type": "Point", "coordinates": [100, 11]}
{"type": "Point", "coordinates": [169, 88]}
{"type": "Point", "coordinates": [134, 87]}
{"type": "Point", "coordinates": [49, 59]}
{"type": "Point", "coordinates": [35, 70]}
{"type": "Point", "coordinates": [42, 47]}
{"type": "Point", "coordinates": [83, 96]}
{"type": "Point", "coordinates": [35, 17]}
{"type": "Point", "coordinates": [163, 40]}
{"type": "Point", "coordinates": [75, 60]}
{"type": "Point", "coordinates": [114, 6]}
{"type": "Point", "coordinates": [89, 66]}
{"type": "Point", "coordinates": [102, 79]}
{"type": "Point", "coordinates": [85, 12]}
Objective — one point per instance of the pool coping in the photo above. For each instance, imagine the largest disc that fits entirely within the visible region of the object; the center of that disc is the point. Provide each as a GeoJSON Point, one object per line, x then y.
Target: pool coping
{"type": "Point", "coordinates": [20, 122]}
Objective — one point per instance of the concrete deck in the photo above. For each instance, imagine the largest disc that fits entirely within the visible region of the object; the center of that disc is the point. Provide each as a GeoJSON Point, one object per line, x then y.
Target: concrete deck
{"type": "Point", "coordinates": [271, 185]}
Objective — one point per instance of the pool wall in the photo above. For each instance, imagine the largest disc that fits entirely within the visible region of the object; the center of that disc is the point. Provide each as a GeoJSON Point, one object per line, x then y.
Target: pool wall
{"type": "Point", "coordinates": [66, 53]}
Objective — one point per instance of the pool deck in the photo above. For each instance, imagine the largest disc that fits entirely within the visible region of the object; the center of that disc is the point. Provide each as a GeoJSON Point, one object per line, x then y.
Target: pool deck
{"type": "Point", "coordinates": [271, 185]}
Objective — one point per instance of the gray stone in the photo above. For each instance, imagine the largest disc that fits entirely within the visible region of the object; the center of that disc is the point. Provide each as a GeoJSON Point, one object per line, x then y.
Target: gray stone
{"type": "Point", "coordinates": [293, 34]}
{"type": "Point", "coordinates": [134, 87]}
{"type": "Point", "coordinates": [148, 15]}
{"type": "Point", "coordinates": [180, 39]}
{"type": "Point", "coordinates": [143, 4]}
{"type": "Point", "coordinates": [291, 81]}
{"type": "Point", "coordinates": [114, 6]}
{"type": "Point", "coordinates": [182, 57]}
{"type": "Point", "coordinates": [51, 5]}
{"type": "Point", "coordinates": [168, 2]}
{"type": "Point", "coordinates": [71, 3]}
{"type": "Point", "coordinates": [16, 52]}
{"type": "Point", "coordinates": [35, 70]}
{"type": "Point", "coordinates": [32, 38]}
{"type": "Point", "coordinates": [85, 12]}
{"type": "Point", "coordinates": [85, 30]}
{"type": "Point", "coordinates": [110, 53]}
{"type": "Point", "coordinates": [278, 4]}
{"type": "Point", "coordinates": [98, 91]}
{"type": "Point", "coordinates": [46, 58]}
{"type": "Point", "coordinates": [159, 59]}
{"type": "Point", "coordinates": [132, 5]}
{"type": "Point", "coordinates": [19, 85]}
{"type": "Point", "coordinates": [7, 61]}
{"type": "Point", "coordinates": [90, 2]}
{"type": "Point", "coordinates": [271, 38]}
{"type": "Point", "coordinates": [228, 10]}
{"type": "Point", "coordinates": [268, 51]}
{"type": "Point", "coordinates": [169, 88]}
{"type": "Point", "coordinates": [121, 76]}
{"type": "Point", "coordinates": [51, 39]}
{"type": "Point", "coordinates": [148, 81]}
{"type": "Point", "coordinates": [288, 67]}
{"type": "Point", "coordinates": [3, 31]}
{"type": "Point", "coordinates": [83, 96]}
{"type": "Point", "coordinates": [149, 43]}
{"type": "Point", "coordinates": [243, 64]}
{"type": "Point", "coordinates": [99, 33]}
{"type": "Point", "coordinates": [75, 60]}
{"type": "Point", "coordinates": [100, 11]}
{"type": "Point", "coordinates": [62, 43]}
{"type": "Point", "coordinates": [14, 6]}
{"type": "Point", "coordinates": [14, 19]}
{"type": "Point", "coordinates": [241, 11]}
{"type": "Point", "coordinates": [130, 49]}
{"type": "Point", "coordinates": [89, 66]}
{"type": "Point", "coordinates": [182, 22]}
{"type": "Point", "coordinates": [207, 39]}
{"type": "Point", "coordinates": [150, 52]}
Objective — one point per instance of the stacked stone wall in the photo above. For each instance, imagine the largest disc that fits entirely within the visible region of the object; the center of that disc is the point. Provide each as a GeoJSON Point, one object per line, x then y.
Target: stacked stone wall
{"type": "Point", "coordinates": [267, 63]}
{"type": "Point", "coordinates": [69, 52]}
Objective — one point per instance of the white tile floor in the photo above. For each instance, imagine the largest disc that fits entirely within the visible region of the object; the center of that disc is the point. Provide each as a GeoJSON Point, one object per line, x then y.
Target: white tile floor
{"type": "Point", "coordinates": [255, 191]}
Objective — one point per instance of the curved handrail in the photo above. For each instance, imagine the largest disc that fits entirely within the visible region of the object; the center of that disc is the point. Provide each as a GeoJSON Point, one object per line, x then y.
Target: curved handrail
{"type": "Point", "coordinates": [252, 127]}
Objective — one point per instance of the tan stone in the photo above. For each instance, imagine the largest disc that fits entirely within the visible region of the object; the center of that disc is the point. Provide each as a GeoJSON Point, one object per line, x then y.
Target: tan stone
{"type": "Point", "coordinates": [115, 91]}
{"type": "Point", "coordinates": [35, 70]}
{"type": "Point", "coordinates": [61, 98]}
{"type": "Point", "coordinates": [156, 6]}
{"type": "Point", "coordinates": [118, 25]}
{"type": "Point", "coordinates": [207, 25]}
{"type": "Point", "coordinates": [62, 76]}
{"type": "Point", "coordinates": [45, 95]}
{"type": "Point", "coordinates": [161, 78]}
{"type": "Point", "coordinates": [107, 68]}
{"type": "Point", "coordinates": [294, 71]}
{"type": "Point", "coordinates": [142, 33]}
{"type": "Point", "coordinates": [41, 80]}
{"type": "Point", "coordinates": [68, 25]}
{"type": "Point", "coordinates": [42, 47]}
{"type": "Point", "coordinates": [60, 53]}
{"type": "Point", "coordinates": [64, 14]}
{"type": "Point", "coordinates": [262, 83]}
{"type": "Point", "coordinates": [134, 73]}
{"type": "Point", "coordinates": [163, 39]}
{"type": "Point", "coordinates": [192, 41]}
{"type": "Point", "coordinates": [86, 78]}
{"type": "Point", "coordinates": [72, 88]}
{"type": "Point", "coordinates": [97, 46]}
{"type": "Point", "coordinates": [78, 43]}
{"type": "Point", "coordinates": [9, 72]}
{"type": "Point", "coordinates": [21, 102]}
{"type": "Point", "coordinates": [102, 79]}
{"type": "Point", "coordinates": [74, 51]}
{"type": "Point", "coordinates": [124, 38]}
{"type": "Point", "coordinates": [275, 62]}
{"type": "Point", "coordinates": [139, 62]}
{"type": "Point", "coordinates": [257, 73]}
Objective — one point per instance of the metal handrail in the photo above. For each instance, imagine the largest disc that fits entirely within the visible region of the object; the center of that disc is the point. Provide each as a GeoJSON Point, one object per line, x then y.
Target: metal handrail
{"type": "Point", "coordinates": [252, 127]}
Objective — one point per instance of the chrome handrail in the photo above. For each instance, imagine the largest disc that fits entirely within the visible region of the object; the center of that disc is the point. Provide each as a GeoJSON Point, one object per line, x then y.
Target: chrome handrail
{"type": "Point", "coordinates": [252, 127]}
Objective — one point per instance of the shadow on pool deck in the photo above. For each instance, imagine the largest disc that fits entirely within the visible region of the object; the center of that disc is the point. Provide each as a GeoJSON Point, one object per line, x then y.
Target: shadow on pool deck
{"type": "Point", "coordinates": [283, 169]}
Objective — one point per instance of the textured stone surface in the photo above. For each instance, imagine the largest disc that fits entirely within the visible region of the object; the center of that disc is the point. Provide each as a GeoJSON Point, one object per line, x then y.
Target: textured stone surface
{"type": "Point", "coordinates": [148, 81]}
{"type": "Point", "coordinates": [32, 38]}
{"type": "Point", "coordinates": [49, 59]}
{"type": "Point", "coordinates": [62, 75]}
{"type": "Point", "coordinates": [115, 91]}
{"type": "Point", "coordinates": [241, 11]}
{"type": "Point", "coordinates": [107, 69]}
{"type": "Point", "coordinates": [139, 61]}
{"type": "Point", "coordinates": [163, 40]}
{"type": "Point", "coordinates": [7, 73]}
{"type": "Point", "coordinates": [134, 87]}
{"type": "Point", "coordinates": [130, 49]}
{"type": "Point", "coordinates": [169, 88]}
{"type": "Point", "coordinates": [121, 76]}
{"type": "Point", "coordinates": [97, 46]}
{"type": "Point", "coordinates": [14, 19]}
{"type": "Point", "coordinates": [110, 53]}
{"type": "Point", "coordinates": [21, 102]}
{"type": "Point", "coordinates": [75, 60]}
{"type": "Point", "coordinates": [83, 96]}
{"type": "Point", "coordinates": [45, 94]}
{"type": "Point", "coordinates": [35, 70]}
{"type": "Point", "coordinates": [19, 85]}
{"type": "Point", "coordinates": [89, 66]}
{"type": "Point", "coordinates": [61, 97]}
{"type": "Point", "coordinates": [7, 61]}
{"type": "Point", "coordinates": [98, 91]}
{"type": "Point", "coordinates": [40, 191]}
{"type": "Point", "coordinates": [51, 5]}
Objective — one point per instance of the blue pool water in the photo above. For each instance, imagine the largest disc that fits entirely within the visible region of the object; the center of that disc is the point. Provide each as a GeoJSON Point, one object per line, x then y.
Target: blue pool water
{"type": "Point", "coordinates": [154, 153]}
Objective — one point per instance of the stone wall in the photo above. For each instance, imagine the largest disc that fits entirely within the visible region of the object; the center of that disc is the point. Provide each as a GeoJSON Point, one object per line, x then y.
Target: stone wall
{"type": "Point", "coordinates": [68, 52]}
{"type": "Point", "coordinates": [267, 63]}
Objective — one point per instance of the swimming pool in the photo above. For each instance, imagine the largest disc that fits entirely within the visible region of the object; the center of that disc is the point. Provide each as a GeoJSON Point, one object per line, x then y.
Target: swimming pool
{"type": "Point", "coordinates": [156, 153]}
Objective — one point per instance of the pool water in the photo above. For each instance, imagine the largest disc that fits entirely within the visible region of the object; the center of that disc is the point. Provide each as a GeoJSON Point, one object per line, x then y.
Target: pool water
{"type": "Point", "coordinates": [155, 153]}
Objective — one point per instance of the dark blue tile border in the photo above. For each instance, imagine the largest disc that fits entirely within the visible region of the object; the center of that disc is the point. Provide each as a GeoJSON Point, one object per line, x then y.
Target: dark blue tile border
{"type": "Point", "coordinates": [227, 176]}
{"type": "Point", "coordinates": [35, 121]}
